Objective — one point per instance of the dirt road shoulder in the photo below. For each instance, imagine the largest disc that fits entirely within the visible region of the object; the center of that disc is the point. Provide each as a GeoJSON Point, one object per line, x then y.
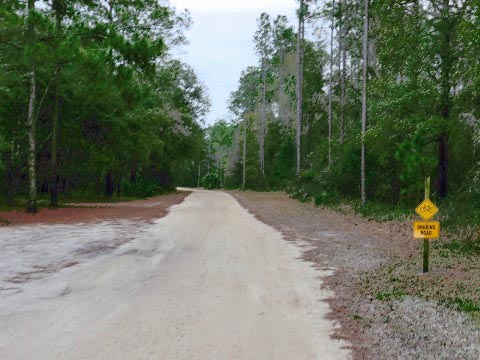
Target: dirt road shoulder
{"type": "Point", "coordinates": [386, 309]}
{"type": "Point", "coordinates": [141, 210]}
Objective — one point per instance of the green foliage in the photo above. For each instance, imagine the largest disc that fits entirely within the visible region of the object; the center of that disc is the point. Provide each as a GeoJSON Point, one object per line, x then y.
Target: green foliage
{"type": "Point", "coordinates": [422, 87]}
{"type": "Point", "coordinates": [212, 180]}
{"type": "Point", "coordinates": [396, 294]}
{"type": "Point", "coordinates": [142, 187]}
{"type": "Point", "coordinates": [280, 155]}
{"type": "Point", "coordinates": [129, 113]}
{"type": "Point", "coordinates": [464, 305]}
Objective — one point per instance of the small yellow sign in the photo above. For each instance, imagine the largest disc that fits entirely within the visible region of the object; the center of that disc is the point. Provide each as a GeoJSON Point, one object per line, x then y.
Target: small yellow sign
{"type": "Point", "coordinates": [426, 229]}
{"type": "Point", "coordinates": [426, 209]}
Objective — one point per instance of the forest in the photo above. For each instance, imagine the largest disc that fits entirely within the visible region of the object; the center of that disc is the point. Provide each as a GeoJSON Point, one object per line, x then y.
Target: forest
{"type": "Point", "coordinates": [358, 103]}
{"type": "Point", "coordinates": [92, 102]}
{"type": "Point", "coordinates": [336, 117]}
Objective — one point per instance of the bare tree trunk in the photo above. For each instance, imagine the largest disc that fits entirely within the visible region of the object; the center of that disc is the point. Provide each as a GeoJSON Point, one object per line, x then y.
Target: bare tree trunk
{"type": "Point", "coordinates": [244, 152]}
{"type": "Point", "coordinates": [10, 178]}
{"type": "Point", "coordinates": [446, 69]}
{"type": "Point", "coordinates": [109, 185]}
{"type": "Point", "coordinates": [364, 101]}
{"type": "Point", "coordinates": [54, 174]}
{"type": "Point", "coordinates": [343, 72]}
{"type": "Point", "coordinates": [57, 5]}
{"type": "Point", "coordinates": [330, 92]}
{"type": "Point", "coordinates": [443, 165]}
{"type": "Point", "coordinates": [356, 73]}
{"type": "Point", "coordinates": [32, 201]}
{"type": "Point", "coordinates": [110, 36]}
{"type": "Point", "coordinates": [263, 118]}
{"type": "Point", "coordinates": [198, 178]}
{"type": "Point", "coordinates": [299, 84]}
{"type": "Point", "coordinates": [109, 179]}
{"type": "Point", "coordinates": [198, 182]}
{"type": "Point", "coordinates": [356, 65]}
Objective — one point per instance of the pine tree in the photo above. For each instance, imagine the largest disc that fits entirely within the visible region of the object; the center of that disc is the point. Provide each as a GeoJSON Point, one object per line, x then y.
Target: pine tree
{"type": "Point", "coordinates": [31, 121]}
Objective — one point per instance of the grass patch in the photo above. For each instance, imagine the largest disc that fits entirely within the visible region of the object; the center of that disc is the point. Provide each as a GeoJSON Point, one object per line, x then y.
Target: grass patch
{"type": "Point", "coordinates": [395, 294]}
{"type": "Point", "coordinates": [460, 304]}
{"type": "Point", "coordinates": [459, 213]}
{"type": "Point", "coordinates": [357, 317]}
{"type": "Point", "coordinates": [466, 246]}
{"type": "Point", "coordinates": [457, 291]}
{"type": "Point", "coordinates": [19, 204]}
{"type": "Point", "coordinates": [381, 212]}
{"type": "Point", "coordinates": [466, 305]}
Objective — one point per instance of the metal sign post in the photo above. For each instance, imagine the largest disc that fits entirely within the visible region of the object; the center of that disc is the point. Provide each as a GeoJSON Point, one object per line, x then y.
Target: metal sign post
{"type": "Point", "coordinates": [426, 241]}
{"type": "Point", "coordinates": [426, 230]}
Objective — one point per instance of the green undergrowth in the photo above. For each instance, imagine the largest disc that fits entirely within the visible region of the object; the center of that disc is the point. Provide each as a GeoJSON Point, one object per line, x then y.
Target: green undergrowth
{"type": "Point", "coordinates": [454, 279]}
{"type": "Point", "coordinates": [103, 199]}
{"type": "Point", "coordinates": [450, 283]}
{"type": "Point", "coordinates": [43, 201]}
{"type": "Point", "coordinates": [466, 246]}
{"type": "Point", "coordinates": [459, 216]}
{"type": "Point", "coordinates": [463, 305]}
{"type": "Point", "coordinates": [20, 204]}
{"type": "Point", "coordinates": [381, 212]}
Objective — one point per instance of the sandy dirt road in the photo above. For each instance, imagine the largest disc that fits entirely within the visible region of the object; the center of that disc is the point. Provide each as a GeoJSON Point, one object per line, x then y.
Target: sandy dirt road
{"type": "Point", "coordinates": [208, 281]}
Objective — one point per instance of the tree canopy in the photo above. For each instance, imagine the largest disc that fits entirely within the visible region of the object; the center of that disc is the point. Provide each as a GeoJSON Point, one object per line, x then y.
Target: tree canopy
{"type": "Point", "coordinates": [422, 102]}
{"type": "Point", "coordinates": [114, 112]}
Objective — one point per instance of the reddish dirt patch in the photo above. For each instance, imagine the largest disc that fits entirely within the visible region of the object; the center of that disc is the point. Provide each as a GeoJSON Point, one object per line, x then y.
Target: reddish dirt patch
{"type": "Point", "coordinates": [144, 210]}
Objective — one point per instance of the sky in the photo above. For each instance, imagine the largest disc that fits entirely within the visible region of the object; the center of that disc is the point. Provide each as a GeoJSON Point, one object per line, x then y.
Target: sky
{"type": "Point", "coordinates": [221, 43]}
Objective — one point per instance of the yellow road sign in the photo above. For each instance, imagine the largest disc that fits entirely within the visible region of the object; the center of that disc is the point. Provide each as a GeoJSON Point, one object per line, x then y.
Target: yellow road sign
{"type": "Point", "coordinates": [426, 209]}
{"type": "Point", "coordinates": [426, 229]}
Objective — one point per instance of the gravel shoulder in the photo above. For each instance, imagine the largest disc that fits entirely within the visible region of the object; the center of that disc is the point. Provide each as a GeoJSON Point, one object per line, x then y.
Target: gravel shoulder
{"type": "Point", "coordinates": [386, 308]}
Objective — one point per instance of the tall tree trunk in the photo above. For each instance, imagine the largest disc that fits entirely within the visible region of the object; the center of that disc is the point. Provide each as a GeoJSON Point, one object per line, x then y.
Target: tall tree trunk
{"type": "Point", "coordinates": [263, 118]}
{"type": "Point", "coordinates": [54, 170]}
{"type": "Point", "coordinates": [10, 177]}
{"type": "Point", "coordinates": [443, 165]}
{"type": "Point", "coordinates": [58, 8]}
{"type": "Point", "coordinates": [110, 36]}
{"type": "Point", "coordinates": [109, 185]}
{"type": "Point", "coordinates": [446, 69]}
{"type": "Point", "coordinates": [244, 152]}
{"type": "Point", "coordinates": [133, 172]}
{"type": "Point", "coordinates": [109, 181]}
{"type": "Point", "coordinates": [356, 72]}
{"type": "Point", "coordinates": [364, 101]}
{"type": "Point", "coordinates": [343, 72]}
{"type": "Point", "coordinates": [32, 187]}
{"type": "Point", "coordinates": [330, 91]}
{"type": "Point", "coordinates": [299, 85]}
{"type": "Point", "coordinates": [199, 173]}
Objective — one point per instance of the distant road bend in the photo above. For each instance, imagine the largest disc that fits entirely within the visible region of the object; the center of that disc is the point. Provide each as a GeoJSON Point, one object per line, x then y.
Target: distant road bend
{"type": "Point", "coordinates": [207, 281]}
